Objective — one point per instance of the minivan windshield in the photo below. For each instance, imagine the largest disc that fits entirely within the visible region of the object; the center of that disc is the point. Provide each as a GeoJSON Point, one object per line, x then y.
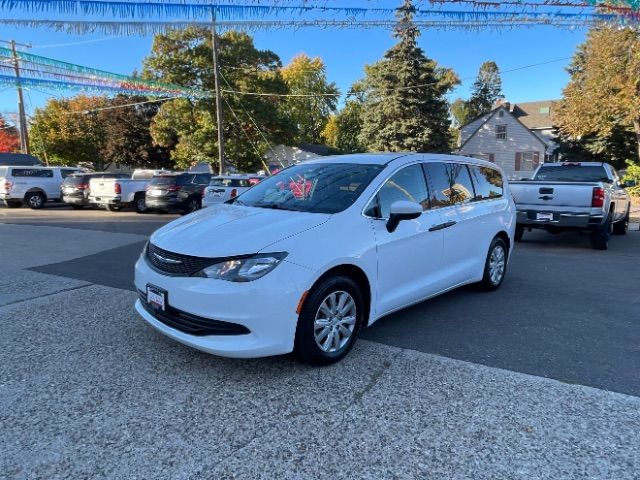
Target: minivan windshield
{"type": "Point", "coordinates": [572, 173]}
{"type": "Point", "coordinates": [313, 187]}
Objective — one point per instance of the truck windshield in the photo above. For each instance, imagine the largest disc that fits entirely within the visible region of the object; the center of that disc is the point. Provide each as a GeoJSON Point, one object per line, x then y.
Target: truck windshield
{"type": "Point", "coordinates": [572, 173]}
{"type": "Point", "coordinates": [314, 187]}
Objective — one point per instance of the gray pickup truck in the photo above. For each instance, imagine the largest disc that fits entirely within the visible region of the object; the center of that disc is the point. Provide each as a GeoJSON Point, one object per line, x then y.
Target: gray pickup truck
{"type": "Point", "coordinates": [586, 196]}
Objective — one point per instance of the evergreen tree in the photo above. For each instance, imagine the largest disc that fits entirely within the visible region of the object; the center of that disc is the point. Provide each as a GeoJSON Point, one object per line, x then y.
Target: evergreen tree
{"type": "Point", "coordinates": [404, 104]}
{"type": "Point", "coordinates": [486, 90]}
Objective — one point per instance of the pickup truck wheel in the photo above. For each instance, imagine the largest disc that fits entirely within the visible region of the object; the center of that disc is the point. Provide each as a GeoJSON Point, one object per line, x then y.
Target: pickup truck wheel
{"type": "Point", "coordinates": [13, 203]}
{"type": "Point", "coordinates": [495, 267]}
{"type": "Point", "coordinates": [600, 237]}
{"type": "Point", "coordinates": [620, 228]}
{"type": "Point", "coordinates": [113, 208]}
{"type": "Point", "coordinates": [519, 232]}
{"type": "Point", "coordinates": [35, 200]}
{"type": "Point", "coordinates": [140, 204]}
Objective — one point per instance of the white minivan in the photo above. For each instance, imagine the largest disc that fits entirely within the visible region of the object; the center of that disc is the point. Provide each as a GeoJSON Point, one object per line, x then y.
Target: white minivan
{"type": "Point", "coordinates": [306, 258]}
{"type": "Point", "coordinates": [32, 186]}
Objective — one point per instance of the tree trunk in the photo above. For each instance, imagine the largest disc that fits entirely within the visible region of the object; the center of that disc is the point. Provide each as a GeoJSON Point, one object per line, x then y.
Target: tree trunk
{"type": "Point", "coordinates": [636, 128]}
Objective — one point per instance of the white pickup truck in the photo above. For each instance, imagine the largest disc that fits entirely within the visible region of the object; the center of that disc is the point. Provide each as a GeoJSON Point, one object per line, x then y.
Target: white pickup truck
{"type": "Point", "coordinates": [115, 194]}
{"type": "Point", "coordinates": [585, 196]}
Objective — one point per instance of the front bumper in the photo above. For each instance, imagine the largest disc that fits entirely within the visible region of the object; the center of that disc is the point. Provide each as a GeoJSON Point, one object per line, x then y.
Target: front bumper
{"type": "Point", "coordinates": [266, 307]}
{"type": "Point", "coordinates": [576, 220]}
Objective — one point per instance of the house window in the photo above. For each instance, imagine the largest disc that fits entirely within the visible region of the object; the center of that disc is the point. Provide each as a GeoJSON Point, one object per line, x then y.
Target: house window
{"type": "Point", "coordinates": [544, 110]}
{"type": "Point", "coordinates": [501, 132]}
{"type": "Point", "coordinates": [527, 161]}
{"type": "Point", "coordinates": [500, 114]}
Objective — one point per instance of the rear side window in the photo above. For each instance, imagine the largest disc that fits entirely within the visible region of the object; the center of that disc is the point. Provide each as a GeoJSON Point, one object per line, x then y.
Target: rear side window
{"type": "Point", "coordinates": [407, 184]}
{"type": "Point", "coordinates": [486, 181]}
{"type": "Point", "coordinates": [450, 184]}
{"type": "Point", "coordinates": [32, 172]}
{"type": "Point", "coordinates": [202, 179]}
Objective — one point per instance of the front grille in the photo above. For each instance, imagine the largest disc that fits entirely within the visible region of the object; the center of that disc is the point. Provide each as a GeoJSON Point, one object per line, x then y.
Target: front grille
{"type": "Point", "coordinates": [192, 324]}
{"type": "Point", "coordinates": [175, 263]}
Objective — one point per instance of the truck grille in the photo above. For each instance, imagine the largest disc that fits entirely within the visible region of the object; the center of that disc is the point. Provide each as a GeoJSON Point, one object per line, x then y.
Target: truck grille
{"type": "Point", "coordinates": [176, 263]}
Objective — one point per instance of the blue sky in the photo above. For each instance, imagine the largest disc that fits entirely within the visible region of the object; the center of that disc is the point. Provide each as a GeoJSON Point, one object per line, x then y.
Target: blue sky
{"type": "Point", "coordinates": [345, 53]}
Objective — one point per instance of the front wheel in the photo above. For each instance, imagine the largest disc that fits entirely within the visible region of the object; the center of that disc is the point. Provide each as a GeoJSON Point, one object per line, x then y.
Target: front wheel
{"type": "Point", "coordinates": [35, 200]}
{"type": "Point", "coordinates": [495, 266]}
{"type": "Point", "coordinates": [620, 228]}
{"type": "Point", "coordinates": [140, 204]}
{"type": "Point", "coordinates": [330, 321]}
{"type": "Point", "coordinates": [193, 204]}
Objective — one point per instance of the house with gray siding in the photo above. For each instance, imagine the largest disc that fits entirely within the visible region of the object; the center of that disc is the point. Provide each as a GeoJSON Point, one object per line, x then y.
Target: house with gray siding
{"type": "Point", "coordinates": [517, 137]}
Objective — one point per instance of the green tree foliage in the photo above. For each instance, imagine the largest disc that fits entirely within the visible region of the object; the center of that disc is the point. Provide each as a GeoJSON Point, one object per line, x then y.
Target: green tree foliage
{"type": "Point", "coordinates": [63, 133]}
{"type": "Point", "coordinates": [342, 130]}
{"type": "Point", "coordinates": [307, 76]}
{"type": "Point", "coordinates": [404, 104]}
{"type": "Point", "coordinates": [486, 90]}
{"type": "Point", "coordinates": [188, 127]}
{"type": "Point", "coordinates": [460, 112]}
{"type": "Point", "coordinates": [97, 132]}
{"type": "Point", "coordinates": [602, 100]}
{"type": "Point", "coordinates": [633, 173]}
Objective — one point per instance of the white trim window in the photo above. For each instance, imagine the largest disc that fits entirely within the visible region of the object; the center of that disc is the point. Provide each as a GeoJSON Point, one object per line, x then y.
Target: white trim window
{"type": "Point", "coordinates": [501, 132]}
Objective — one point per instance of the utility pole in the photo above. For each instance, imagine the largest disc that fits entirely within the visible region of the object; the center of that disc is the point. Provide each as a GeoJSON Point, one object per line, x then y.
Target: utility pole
{"type": "Point", "coordinates": [216, 78]}
{"type": "Point", "coordinates": [24, 133]}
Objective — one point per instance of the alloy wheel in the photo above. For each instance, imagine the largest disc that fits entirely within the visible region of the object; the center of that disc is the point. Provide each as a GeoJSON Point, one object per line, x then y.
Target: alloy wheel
{"type": "Point", "coordinates": [497, 263]}
{"type": "Point", "coordinates": [335, 321]}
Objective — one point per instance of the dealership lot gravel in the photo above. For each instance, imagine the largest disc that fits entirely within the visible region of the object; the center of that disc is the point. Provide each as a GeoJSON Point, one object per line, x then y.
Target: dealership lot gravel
{"type": "Point", "coordinates": [87, 390]}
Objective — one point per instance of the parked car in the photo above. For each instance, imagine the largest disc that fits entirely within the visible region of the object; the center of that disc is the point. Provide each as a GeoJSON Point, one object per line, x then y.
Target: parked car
{"type": "Point", "coordinates": [181, 191]}
{"type": "Point", "coordinates": [115, 194]}
{"type": "Point", "coordinates": [75, 188]}
{"type": "Point", "coordinates": [587, 196]}
{"type": "Point", "coordinates": [306, 258]}
{"type": "Point", "coordinates": [225, 187]}
{"type": "Point", "coordinates": [32, 186]}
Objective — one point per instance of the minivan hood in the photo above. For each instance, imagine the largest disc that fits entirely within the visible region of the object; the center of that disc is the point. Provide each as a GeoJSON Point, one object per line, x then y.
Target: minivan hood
{"type": "Point", "coordinates": [227, 230]}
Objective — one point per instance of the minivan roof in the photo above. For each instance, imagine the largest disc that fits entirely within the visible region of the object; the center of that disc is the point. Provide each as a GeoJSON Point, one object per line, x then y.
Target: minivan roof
{"type": "Point", "coordinates": [386, 158]}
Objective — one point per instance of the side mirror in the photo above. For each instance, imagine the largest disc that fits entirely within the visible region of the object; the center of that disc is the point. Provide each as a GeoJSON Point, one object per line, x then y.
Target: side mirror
{"type": "Point", "coordinates": [402, 210]}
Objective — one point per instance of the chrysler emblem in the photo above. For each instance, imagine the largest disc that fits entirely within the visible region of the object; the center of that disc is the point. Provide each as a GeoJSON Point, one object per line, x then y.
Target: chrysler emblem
{"type": "Point", "coordinates": [166, 260]}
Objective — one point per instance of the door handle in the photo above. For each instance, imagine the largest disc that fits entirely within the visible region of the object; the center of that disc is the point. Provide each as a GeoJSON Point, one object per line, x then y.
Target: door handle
{"type": "Point", "coordinates": [442, 226]}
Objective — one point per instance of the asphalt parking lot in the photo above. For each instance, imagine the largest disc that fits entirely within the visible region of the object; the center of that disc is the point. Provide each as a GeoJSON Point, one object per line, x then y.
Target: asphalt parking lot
{"type": "Point", "coordinates": [537, 380]}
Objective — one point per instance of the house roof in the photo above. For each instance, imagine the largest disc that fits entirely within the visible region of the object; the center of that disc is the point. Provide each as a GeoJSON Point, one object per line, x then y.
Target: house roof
{"type": "Point", "coordinates": [535, 115]}
{"type": "Point", "coordinates": [316, 148]}
{"type": "Point", "coordinates": [489, 116]}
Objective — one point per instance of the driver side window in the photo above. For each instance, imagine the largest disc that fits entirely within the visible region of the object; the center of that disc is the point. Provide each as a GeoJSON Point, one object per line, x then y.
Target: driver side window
{"type": "Point", "coordinates": [407, 184]}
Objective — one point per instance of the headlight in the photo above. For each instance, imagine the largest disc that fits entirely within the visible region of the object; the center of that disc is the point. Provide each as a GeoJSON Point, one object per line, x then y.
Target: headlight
{"type": "Point", "coordinates": [244, 269]}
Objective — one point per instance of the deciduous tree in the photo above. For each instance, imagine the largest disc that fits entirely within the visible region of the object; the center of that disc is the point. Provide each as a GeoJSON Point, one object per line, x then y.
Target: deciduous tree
{"type": "Point", "coordinates": [9, 138]}
{"type": "Point", "coordinates": [309, 114]}
{"type": "Point", "coordinates": [602, 98]}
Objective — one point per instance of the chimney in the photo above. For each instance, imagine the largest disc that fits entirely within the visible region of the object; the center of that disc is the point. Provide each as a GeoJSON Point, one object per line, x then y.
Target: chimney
{"type": "Point", "coordinates": [501, 102]}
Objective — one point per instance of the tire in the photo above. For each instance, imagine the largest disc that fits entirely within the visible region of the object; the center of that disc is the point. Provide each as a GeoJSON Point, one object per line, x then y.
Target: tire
{"type": "Point", "coordinates": [13, 203]}
{"type": "Point", "coordinates": [495, 266]}
{"type": "Point", "coordinates": [35, 200]}
{"type": "Point", "coordinates": [519, 232]}
{"type": "Point", "coordinates": [113, 208]}
{"type": "Point", "coordinates": [620, 228]}
{"type": "Point", "coordinates": [139, 204]}
{"type": "Point", "coordinates": [312, 344]}
{"type": "Point", "coordinates": [193, 205]}
{"type": "Point", "coordinates": [600, 237]}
